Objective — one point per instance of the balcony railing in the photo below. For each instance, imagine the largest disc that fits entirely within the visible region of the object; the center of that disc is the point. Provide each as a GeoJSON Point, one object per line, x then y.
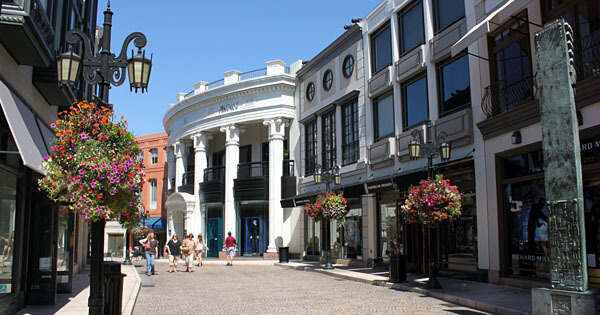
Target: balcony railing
{"type": "Point", "coordinates": [214, 174]}
{"type": "Point", "coordinates": [587, 56]}
{"type": "Point", "coordinates": [253, 169]}
{"type": "Point", "coordinates": [215, 84]}
{"type": "Point", "coordinates": [288, 168]}
{"type": "Point", "coordinates": [508, 93]}
{"type": "Point", "coordinates": [188, 179]}
{"type": "Point", "coordinates": [253, 74]}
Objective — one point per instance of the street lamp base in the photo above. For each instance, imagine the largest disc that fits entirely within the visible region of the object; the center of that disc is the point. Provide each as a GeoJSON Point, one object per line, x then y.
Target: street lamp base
{"type": "Point", "coordinates": [328, 265]}
{"type": "Point", "coordinates": [433, 284]}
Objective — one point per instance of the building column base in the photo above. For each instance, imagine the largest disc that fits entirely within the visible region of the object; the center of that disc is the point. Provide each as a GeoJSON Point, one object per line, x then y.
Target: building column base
{"type": "Point", "coordinates": [271, 256]}
{"type": "Point", "coordinates": [551, 301]}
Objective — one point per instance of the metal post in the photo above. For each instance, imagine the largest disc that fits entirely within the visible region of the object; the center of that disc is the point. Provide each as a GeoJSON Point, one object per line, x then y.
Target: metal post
{"type": "Point", "coordinates": [328, 265]}
{"type": "Point", "coordinates": [127, 260]}
{"type": "Point", "coordinates": [96, 299]}
{"type": "Point", "coordinates": [432, 283]}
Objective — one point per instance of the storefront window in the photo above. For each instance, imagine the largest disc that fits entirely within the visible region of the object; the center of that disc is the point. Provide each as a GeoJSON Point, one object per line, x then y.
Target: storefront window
{"type": "Point", "coordinates": [387, 229]}
{"type": "Point", "coordinates": [8, 202]}
{"type": "Point", "coordinates": [313, 237]}
{"type": "Point", "coordinates": [527, 222]}
{"type": "Point", "coordinates": [64, 239]}
{"type": "Point", "coordinates": [353, 234]}
{"type": "Point", "coordinates": [116, 245]}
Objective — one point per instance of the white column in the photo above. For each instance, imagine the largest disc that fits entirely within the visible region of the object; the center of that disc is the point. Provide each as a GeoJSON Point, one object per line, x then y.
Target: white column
{"type": "Point", "coordinates": [170, 168]}
{"type": "Point", "coordinates": [276, 136]}
{"type": "Point", "coordinates": [170, 226]}
{"type": "Point", "coordinates": [199, 166]}
{"type": "Point", "coordinates": [232, 158]}
{"type": "Point", "coordinates": [179, 148]}
{"type": "Point", "coordinates": [338, 135]}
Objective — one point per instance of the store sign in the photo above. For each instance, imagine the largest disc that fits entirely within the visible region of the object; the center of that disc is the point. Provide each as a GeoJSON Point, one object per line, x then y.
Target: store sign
{"type": "Point", "coordinates": [380, 186]}
{"type": "Point", "coordinates": [5, 288]}
{"type": "Point", "coordinates": [590, 150]}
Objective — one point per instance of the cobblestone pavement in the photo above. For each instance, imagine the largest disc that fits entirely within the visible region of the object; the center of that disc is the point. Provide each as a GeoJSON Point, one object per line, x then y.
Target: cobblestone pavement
{"type": "Point", "coordinates": [244, 289]}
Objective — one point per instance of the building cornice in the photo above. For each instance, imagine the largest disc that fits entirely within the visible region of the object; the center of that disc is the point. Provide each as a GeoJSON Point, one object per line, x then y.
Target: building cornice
{"type": "Point", "coordinates": [180, 110]}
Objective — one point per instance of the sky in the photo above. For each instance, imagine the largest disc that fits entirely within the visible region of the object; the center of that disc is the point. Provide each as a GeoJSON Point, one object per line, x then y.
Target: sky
{"type": "Point", "coordinates": [199, 40]}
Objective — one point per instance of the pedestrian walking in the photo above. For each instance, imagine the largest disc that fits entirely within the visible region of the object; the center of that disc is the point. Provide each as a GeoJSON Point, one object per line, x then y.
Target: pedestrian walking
{"type": "Point", "coordinates": [150, 244]}
{"type": "Point", "coordinates": [230, 244]}
{"type": "Point", "coordinates": [187, 249]}
{"type": "Point", "coordinates": [173, 248]}
{"type": "Point", "coordinates": [200, 248]}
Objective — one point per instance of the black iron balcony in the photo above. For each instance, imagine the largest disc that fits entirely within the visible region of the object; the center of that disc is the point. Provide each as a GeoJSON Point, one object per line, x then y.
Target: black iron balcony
{"type": "Point", "coordinates": [26, 32]}
{"type": "Point", "coordinates": [253, 169]}
{"type": "Point", "coordinates": [510, 92]}
{"type": "Point", "coordinates": [587, 56]}
{"type": "Point", "coordinates": [214, 174]}
{"type": "Point", "coordinates": [288, 179]}
{"type": "Point", "coordinates": [187, 183]}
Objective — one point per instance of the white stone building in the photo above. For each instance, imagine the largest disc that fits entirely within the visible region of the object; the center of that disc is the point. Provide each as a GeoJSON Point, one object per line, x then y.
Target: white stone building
{"type": "Point", "coordinates": [222, 175]}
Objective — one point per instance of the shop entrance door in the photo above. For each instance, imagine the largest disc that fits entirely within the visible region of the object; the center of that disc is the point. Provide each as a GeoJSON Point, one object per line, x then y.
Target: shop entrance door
{"type": "Point", "coordinates": [255, 238]}
{"type": "Point", "coordinates": [214, 234]}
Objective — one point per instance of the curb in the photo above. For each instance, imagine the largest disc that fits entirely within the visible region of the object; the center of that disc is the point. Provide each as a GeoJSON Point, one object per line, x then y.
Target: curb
{"type": "Point", "coordinates": [128, 308]}
{"type": "Point", "coordinates": [403, 287]}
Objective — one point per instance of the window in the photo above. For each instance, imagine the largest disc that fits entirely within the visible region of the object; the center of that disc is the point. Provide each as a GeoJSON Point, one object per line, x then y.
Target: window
{"type": "Point", "coordinates": [350, 148]}
{"type": "Point", "coordinates": [348, 66]}
{"type": "Point", "coordinates": [381, 49]}
{"type": "Point", "coordinates": [8, 207]}
{"type": "Point", "coordinates": [584, 18]}
{"type": "Point", "coordinates": [310, 159]}
{"type": "Point", "coordinates": [140, 156]}
{"type": "Point", "coordinates": [328, 140]}
{"type": "Point", "coordinates": [154, 156]}
{"type": "Point", "coordinates": [152, 193]}
{"type": "Point", "coordinates": [414, 101]}
{"type": "Point", "coordinates": [327, 80]}
{"type": "Point", "coordinates": [510, 65]}
{"type": "Point", "coordinates": [310, 91]}
{"type": "Point", "coordinates": [454, 84]}
{"type": "Point", "coordinates": [447, 12]}
{"type": "Point", "coordinates": [383, 108]}
{"type": "Point", "coordinates": [412, 32]}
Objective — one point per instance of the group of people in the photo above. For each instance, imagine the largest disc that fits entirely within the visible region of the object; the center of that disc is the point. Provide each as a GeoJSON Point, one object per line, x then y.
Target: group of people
{"type": "Point", "coordinates": [189, 250]}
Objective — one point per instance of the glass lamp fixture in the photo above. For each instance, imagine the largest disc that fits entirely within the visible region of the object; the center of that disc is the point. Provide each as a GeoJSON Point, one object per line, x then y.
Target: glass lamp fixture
{"type": "Point", "coordinates": [414, 149]}
{"type": "Point", "coordinates": [318, 174]}
{"type": "Point", "coordinates": [139, 71]}
{"type": "Point", "coordinates": [445, 151]}
{"type": "Point", "coordinates": [337, 178]}
{"type": "Point", "coordinates": [68, 68]}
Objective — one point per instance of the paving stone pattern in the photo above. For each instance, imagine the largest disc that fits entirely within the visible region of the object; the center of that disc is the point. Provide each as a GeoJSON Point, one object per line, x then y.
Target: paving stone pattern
{"type": "Point", "coordinates": [244, 289]}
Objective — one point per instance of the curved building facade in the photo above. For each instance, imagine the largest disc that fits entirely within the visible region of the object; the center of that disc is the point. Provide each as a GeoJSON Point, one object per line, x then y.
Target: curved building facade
{"type": "Point", "coordinates": [223, 177]}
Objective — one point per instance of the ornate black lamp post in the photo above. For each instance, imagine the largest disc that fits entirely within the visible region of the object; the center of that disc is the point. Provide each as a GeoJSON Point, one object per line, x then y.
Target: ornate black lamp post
{"type": "Point", "coordinates": [103, 68]}
{"type": "Point", "coordinates": [426, 146]}
{"type": "Point", "coordinates": [329, 176]}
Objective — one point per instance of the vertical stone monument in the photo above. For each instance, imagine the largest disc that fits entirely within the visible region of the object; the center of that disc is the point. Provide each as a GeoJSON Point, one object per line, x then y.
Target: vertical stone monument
{"type": "Point", "coordinates": [562, 176]}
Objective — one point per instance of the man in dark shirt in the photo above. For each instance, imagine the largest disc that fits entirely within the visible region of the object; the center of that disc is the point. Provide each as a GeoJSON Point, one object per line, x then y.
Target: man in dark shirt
{"type": "Point", "coordinates": [229, 244]}
{"type": "Point", "coordinates": [173, 248]}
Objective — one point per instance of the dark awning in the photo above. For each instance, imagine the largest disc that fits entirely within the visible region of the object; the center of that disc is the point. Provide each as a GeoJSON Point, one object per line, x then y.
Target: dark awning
{"type": "Point", "coordinates": [354, 191]}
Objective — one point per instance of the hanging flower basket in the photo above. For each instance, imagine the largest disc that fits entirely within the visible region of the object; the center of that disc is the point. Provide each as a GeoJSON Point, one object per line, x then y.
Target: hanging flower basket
{"type": "Point", "coordinates": [94, 166]}
{"type": "Point", "coordinates": [140, 231]}
{"type": "Point", "coordinates": [432, 202]}
{"type": "Point", "coordinates": [328, 206]}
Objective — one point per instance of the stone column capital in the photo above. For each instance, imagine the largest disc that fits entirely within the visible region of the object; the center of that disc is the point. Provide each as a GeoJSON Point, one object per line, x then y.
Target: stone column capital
{"type": "Point", "coordinates": [177, 148]}
{"type": "Point", "coordinates": [199, 141]}
{"type": "Point", "coordinates": [276, 127]}
{"type": "Point", "coordinates": [232, 134]}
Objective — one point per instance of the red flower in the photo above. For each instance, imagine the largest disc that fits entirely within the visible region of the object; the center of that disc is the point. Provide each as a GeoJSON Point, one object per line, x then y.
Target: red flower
{"type": "Point", "coordinates": [99, 196]}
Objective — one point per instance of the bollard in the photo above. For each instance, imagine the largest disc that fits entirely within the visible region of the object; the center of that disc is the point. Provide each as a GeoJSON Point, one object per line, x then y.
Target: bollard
{"type": "Point", "coordinates": [113, 288]}
{"type": "Point", "coordinates": [284, 255]}
{"type": "Point", "coordinates": [397, 268]}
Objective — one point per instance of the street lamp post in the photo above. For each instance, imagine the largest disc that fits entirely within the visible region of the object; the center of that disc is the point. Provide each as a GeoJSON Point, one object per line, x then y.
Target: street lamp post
{"type": "Point", "coordinates": [425, 146]}
{"type": "Point", "coordinates": [329, 176]}
{"type": "Point", "coordinates": [103, 68]}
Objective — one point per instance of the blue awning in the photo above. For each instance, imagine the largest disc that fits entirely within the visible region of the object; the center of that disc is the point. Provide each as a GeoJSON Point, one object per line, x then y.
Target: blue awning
{"type": "Point", "coordinates": [155, 223]}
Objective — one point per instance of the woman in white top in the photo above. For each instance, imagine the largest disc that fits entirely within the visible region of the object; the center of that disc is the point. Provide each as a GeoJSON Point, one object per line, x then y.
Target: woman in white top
{"type": "Point", "coordinates": [200, 247]}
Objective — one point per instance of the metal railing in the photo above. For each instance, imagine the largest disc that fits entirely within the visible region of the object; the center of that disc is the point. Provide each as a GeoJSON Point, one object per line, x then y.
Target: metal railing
{"type": "Point", "coordinates": [214, 174]}
{"type": "Point", "coordinates": [253, 169]}
{"type": "Point", "coordinates": [288, 168]}
{"type": "Point", "coordinates": [253, 74]}
{"type": "Point", "coordinates": [508, 93]}
{"type": "Point", "coordinates": [187, 179]}
{"type": "Point", "coordinates": [587, 56]}
{"type": "Point", "coordinates": [215, 84]}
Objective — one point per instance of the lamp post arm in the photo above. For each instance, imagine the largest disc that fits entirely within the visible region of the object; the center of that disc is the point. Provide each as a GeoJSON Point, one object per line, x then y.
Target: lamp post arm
{"type": "Point", "coordinates": [139, 42]}
{"type": "Point", "coordinates": [91, 63]}
{"type": "Point", "coordinates": [441, 137]}
{"type": "Point", "coordinates": [417, 135]}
